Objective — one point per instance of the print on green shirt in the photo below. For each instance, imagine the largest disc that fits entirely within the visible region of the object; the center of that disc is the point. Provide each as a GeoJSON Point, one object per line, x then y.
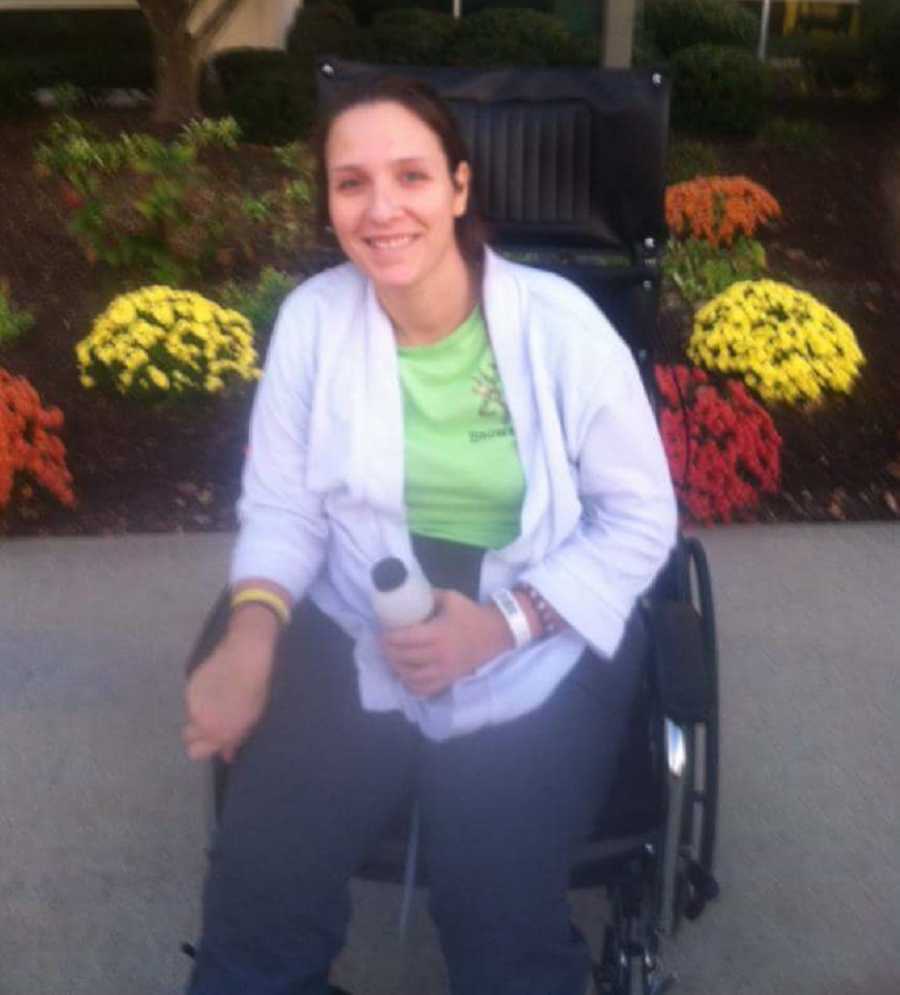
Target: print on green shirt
{"type": "Point", "coordinates": [489, 388]}
{"type": "Point", "coordinates": [464, 479]}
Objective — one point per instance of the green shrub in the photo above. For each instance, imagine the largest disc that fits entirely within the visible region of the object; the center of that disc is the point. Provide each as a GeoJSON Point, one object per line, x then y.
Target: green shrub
{"type": "Point", "coordinates": [37, 32]}
{"type": "Point", "coordinates": [13, 323]}
{"type": "Point", "coordinates": [66, 97]}
{"type": "Point", "coordinates": [720, 89]}
{"type": "Point", "coordinates": [175, 210]}
{"type": "Point", "coordinates": [645, 54]}
{"type": "Point", "coordinates": [834, 61]}
{"type": "Point", "coordinates": [477, 6]}
{"type": "Point", "coordinates": [367, 11]}
{"type": "Point", "coordinates": [514, 37]}
{"type": "Point", "coordinates": [267, 93]}
{"type": "Point", "coordinates": [673, 25]}
{"type": "Point", "coordinates": [413, 37]}
{"type": "Point", "coordinates": [259, 302]}
{"type": "Point", "coordinates": [328, 28]}
{"type": "Point", "coordinates": [688, 159]}
{"type": "Point", "coordinates": [881, 40]}
{"type": "Point", "coordinates": [96, 50]}
{"type": "Point", "coordinates": [138, 203]}
{"type": "Point", "coordinates": [18, 82]}
{"type": "Point", "coordinates": [700, 270]}
{"type": "Point", "coordinates": [796, 135]}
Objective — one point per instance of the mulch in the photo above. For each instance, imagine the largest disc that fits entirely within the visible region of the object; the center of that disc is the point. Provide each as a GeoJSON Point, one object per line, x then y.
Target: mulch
{"type": "Point", "coordinates": [140, 469]}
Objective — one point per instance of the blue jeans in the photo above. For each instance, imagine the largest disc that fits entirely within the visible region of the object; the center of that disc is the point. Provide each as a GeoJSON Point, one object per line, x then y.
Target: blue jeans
{"type": "Point", "coordinates": [317, 783]}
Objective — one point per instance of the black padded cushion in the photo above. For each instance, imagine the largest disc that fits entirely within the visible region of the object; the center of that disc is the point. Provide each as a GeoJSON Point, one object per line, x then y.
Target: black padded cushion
{"type": "Point", "coordinates": [681, 672]}
{"type": "Point", "coordinates": [567, 158]}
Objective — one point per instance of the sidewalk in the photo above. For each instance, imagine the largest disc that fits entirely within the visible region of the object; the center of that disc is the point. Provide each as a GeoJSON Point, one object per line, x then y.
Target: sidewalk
{"type": "Point", "coordinates": [102, 818]}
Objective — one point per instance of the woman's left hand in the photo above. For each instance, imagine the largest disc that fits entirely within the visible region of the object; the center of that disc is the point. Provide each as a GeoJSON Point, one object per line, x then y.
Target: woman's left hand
{"type": "Point", "coordinates": [460, 636]}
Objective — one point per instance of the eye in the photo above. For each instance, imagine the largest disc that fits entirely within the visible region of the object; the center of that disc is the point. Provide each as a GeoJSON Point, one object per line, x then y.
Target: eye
{"type": "Point", "coordinates": [413, 176]}
{"type": "Point", "coordinates": [347, 184]}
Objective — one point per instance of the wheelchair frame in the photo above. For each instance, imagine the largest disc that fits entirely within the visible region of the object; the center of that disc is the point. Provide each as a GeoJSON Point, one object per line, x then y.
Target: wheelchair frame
{"type": "Point", "coordinates": [606, 232]}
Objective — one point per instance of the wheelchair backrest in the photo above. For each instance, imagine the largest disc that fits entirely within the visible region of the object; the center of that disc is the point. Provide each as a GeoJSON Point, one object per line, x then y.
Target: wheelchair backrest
{"type": "Point", "coordinates": [569, 169]}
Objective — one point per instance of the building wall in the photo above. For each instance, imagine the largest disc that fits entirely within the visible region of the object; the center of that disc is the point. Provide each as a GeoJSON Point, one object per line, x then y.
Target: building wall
{"type": "Point", "coordinates": [258, 23]}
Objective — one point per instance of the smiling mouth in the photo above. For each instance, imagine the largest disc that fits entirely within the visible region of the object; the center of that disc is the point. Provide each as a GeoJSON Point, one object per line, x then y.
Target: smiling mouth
{"type": "Point", "coordinates": [390, 242]}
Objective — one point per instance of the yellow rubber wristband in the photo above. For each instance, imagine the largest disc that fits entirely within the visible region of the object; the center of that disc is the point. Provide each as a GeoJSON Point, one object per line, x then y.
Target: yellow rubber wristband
{"type": "Point", "coordinates": [260, 596]}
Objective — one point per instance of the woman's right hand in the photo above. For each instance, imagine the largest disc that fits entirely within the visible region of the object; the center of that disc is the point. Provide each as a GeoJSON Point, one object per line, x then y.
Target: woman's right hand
{"type": "Point", "coordinates": [227, 693]}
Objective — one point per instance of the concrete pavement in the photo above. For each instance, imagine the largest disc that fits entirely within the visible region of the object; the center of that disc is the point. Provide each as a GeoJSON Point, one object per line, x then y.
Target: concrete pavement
{"type": "Point", "coordinates": [102, 818]}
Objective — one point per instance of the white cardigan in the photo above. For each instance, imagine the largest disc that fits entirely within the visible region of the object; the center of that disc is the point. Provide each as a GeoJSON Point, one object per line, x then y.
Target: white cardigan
{"type": "Point", "coordinates": [324, 480]}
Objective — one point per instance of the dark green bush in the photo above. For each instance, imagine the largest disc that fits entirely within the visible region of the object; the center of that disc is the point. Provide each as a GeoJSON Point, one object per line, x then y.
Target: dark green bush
{"type": "Point", "coordinates": [881, 40]}
{"type": "Point", "coordinates": [327, 28]}
{"type": "Point", "coordinates": [413, 37]}
{"type": "Point", "coordinates": [38, 32]}
{"type": "Point", "coordinates": [687, 159]}
{"type": "Point", "coordinates": [477, 6]}
{"type": "Point", "coordinates": [130, 71]}
{"type": "Point", "coordinates": [834, 60]}
{"type": "Point", "coordinates": [719, 88]}
{"type": "Point", "coordinates": [270, 96]}
{"type": "Point", "coordinates": [95, 50]}
{"type": "Point", "coordinates": [259, 302]}
{"type": "Point", "coordinates": [18, 82]}
{"type": "Point", "coordinates": [796, 134]}
{"type": "Point", "coordinates": [672, 25]}
{"type": "Point", "coordinates": [510, 36]}
{"type": "Point", "coordinates": [366, 11]}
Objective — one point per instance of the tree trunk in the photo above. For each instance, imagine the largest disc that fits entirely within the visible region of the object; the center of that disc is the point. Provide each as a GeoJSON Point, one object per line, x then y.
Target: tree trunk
{"type": "Point", "coordinates": [178, 65]}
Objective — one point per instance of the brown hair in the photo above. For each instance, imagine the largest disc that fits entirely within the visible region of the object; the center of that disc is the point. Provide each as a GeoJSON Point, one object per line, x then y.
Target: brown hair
{"type": "Point", "coordinates": [422, 100]}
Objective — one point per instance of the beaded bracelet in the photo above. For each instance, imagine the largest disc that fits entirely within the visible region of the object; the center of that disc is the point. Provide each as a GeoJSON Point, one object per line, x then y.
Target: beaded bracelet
{"type": "Point", "coordinates": [550, 623]}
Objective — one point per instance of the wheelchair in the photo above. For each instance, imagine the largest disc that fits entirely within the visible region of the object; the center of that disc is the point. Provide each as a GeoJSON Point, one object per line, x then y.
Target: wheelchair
{"type": "Point", "coordinates": [569, 174]}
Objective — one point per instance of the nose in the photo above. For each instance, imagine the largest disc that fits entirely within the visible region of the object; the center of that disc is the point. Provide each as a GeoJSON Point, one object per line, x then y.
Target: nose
{"type": "Point", "coordinates": [382, 206]}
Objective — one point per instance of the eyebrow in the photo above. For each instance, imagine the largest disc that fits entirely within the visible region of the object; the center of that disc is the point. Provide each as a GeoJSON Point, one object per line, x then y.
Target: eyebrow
{"type": "Point", "coordinates": [407, 160]}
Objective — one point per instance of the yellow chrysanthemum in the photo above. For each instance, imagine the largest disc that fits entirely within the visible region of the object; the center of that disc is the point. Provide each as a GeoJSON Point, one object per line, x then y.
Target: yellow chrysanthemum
{"type": "Point", "coordinates": [783, 342]}
{"type": "Point", "coordinates": [122, 313]}
{"type": "Point", "coordinates": [185, 334]}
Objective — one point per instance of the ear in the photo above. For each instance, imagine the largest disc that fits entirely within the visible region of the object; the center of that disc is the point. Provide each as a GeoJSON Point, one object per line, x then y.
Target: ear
{"type": "Point", "coordinates": [461, 181]}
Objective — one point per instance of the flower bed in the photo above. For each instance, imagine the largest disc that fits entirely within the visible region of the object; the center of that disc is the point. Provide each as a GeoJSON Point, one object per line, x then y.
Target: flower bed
{"type": "Point", "coordinates": [723, 450]}
{"type": "Point", "coordinates": [165, 467]}
{"type": "Point", "coordinates": [31, 451]}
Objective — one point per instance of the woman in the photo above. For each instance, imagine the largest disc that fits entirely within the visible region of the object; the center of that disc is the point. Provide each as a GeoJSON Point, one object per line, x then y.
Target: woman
{"type": "Point", "coordinates": [431, 401]}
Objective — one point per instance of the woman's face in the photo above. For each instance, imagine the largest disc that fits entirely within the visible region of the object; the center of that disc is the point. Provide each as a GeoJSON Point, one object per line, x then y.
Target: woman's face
{"type": "Point", "coordinates": [391, 197]}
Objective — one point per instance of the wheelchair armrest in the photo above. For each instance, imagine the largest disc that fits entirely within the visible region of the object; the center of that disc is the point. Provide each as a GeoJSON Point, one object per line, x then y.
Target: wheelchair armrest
{"type": "Point", "coordinates": [679, 660]}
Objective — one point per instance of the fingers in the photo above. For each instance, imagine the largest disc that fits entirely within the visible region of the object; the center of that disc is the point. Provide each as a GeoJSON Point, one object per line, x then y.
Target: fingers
{"type": "Point", "coordinates": [425, 684]}
{"type": "Point", "coordinates": [410, 659]}
{"type": "Point", "coordinates": [408, 637]}
{"type": "Point", "coordinates": [202, 749]}
{"type": "Point", "coordinates": [201, 746]}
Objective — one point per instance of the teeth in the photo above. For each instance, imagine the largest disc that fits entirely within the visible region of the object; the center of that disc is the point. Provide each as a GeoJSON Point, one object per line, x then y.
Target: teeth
{"type": "Point", "coordinates": [390, 243]}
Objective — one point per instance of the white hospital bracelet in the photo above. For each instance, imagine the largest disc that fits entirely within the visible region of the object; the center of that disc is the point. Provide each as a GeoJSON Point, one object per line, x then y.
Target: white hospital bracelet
{"type": "Point", "coordinates": [515, 617]}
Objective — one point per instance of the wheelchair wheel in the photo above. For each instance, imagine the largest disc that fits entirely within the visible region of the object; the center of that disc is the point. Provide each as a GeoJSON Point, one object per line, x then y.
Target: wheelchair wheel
{"type": "Point", "coordinates": [697, 884]}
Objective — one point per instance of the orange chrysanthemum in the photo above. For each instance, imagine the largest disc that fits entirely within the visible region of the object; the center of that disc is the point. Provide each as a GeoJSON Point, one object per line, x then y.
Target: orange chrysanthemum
{"type": "Point", "coordinates": [717, 208]}
{"type": "Point", "coordinates": [30, 448]}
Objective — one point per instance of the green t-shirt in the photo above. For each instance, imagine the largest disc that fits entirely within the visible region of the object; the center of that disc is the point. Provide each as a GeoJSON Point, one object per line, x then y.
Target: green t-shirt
{"type": "Point", "coordinates": [464, 479]}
